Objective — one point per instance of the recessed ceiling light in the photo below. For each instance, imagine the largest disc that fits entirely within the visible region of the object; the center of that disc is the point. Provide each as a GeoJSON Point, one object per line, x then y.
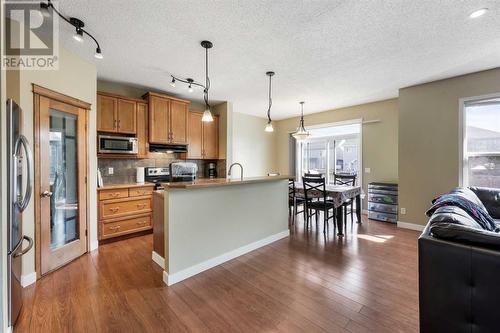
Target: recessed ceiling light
{"type": "Point", "coordinates": [478, 13]}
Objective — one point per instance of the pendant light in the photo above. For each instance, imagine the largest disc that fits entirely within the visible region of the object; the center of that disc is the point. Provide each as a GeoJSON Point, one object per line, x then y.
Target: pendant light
{"type": "Point", "coordinates": [301, 133]}
{"type": "Point", "coordinates": [269, 126]}
{"type": "Point", "coordinates": [207, 114]}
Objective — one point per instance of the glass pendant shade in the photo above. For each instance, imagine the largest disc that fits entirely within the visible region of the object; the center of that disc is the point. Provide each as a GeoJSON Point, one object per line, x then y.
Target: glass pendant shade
{"type": "Point", "coordinates": [301, 133]}
{"type": "Point", "coordinates": [207, 116]}
{"type": "Point", "coordinates": [269, 127]}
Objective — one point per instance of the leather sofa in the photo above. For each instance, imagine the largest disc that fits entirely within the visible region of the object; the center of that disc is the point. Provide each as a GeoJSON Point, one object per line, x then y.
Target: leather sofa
{"type": "Point", "coordinates": [459, 270]}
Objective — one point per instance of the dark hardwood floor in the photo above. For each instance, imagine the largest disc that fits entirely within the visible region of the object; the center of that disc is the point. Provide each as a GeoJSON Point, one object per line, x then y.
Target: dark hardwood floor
{"type": "Point", "coordinates": [365, 282]}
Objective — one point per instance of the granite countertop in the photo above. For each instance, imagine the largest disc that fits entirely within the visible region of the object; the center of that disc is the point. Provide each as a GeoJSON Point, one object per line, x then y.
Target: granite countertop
{"type": "Point", "coordinates": [111, 186]}
{"type": "Point", "coordinates": [207, 182]}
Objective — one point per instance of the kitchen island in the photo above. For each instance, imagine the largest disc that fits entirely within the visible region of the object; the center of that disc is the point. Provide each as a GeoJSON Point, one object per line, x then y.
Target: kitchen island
{"type": "Point", "coordinates": [210, 221]}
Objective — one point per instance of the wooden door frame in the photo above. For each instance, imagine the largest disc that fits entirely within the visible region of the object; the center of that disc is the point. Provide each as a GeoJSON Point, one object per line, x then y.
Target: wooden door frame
{"type": "Point", "coordinates": [39, 91]}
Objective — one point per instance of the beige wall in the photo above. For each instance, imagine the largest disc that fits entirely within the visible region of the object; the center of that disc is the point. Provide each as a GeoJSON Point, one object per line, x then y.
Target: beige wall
{"type": "Point", "coordinates": [380, 140]}
{"type": "Point", "coordinates": [429, 138]}
{"type": "Point", "coordinates": [252, 147]}
{"type": "Point", "coordinates": [75, 78]}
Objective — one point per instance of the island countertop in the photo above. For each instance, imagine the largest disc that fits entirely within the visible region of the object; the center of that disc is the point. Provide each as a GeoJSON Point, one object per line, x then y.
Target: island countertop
{"type": "Point", "coordinates": [207, 182]}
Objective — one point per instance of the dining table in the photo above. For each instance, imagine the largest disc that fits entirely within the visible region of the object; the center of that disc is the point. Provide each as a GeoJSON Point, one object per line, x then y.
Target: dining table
{"type": "Point", "coordinates": [338, 194]}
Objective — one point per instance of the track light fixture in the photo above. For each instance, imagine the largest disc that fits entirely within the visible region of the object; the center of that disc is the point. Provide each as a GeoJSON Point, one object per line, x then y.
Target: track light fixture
{"type": "Point", "coordinates": [172, 83]}
{"type": "Point", "coordinates": [46, 8]}
{"type": "Point", "coordinates": [269, 126]}
{"type": "Point", "coordinates": [301, 133]}
{"type": "Point", "coordinates": [207, 115]}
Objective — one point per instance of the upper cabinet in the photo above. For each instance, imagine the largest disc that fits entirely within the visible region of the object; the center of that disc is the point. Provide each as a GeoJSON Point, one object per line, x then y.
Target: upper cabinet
{"type": "Point", "coordinates": [168, 119]}
{"type": "Point", "coordinates": [203, 138]}
{"type": "Point", "coordinates": [116, 114]}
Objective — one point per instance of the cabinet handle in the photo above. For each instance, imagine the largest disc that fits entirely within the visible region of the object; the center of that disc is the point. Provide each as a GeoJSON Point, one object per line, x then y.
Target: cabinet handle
{"type": "Point", "coordinates": [114, 209]}
{"type": "Point", "coordinates": [115, 228]}
{"type": "Point", "coordinates": [119, 121]}
{"type": "Point", "coordinates": [114, 123]}
{"type": "Point", "coordinates": [115, 194]}
{"type": "Point", "coordinates": [141, 223]}
{"type": "Point", "coordinates": [140, 206]}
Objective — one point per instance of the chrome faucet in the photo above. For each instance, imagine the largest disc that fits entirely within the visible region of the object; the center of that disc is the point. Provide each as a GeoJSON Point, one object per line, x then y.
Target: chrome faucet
{"type": "Point", "coordinates": [231, 166]}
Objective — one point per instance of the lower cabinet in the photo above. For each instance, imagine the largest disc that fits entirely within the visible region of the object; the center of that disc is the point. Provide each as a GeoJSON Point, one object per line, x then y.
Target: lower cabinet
{"type": "Point", "coordinates": [124, 210]}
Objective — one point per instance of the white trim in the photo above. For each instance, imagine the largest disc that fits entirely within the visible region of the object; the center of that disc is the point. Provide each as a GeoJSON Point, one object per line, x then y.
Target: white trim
{"type": "Point", "coordinates": [9, 329]}
{"type": "Point", "coordinates": [94, 245]}
{"type": "Point", "coordinates": [411, 226]}
{"type": "Point", "coordinates": [462, 139]}
{"type": "Point", "coordinates": [159, 260]}
{"type": "Point", "coordinates": [28, 279]}
{"type": "Point", "coordinates": [171, 279]}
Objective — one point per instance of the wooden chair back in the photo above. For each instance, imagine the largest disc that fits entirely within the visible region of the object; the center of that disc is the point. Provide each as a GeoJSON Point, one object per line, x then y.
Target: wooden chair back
{"type": "Point", "coordinates": [349, 180]}
{"type": "Point", "coordinates": [314, 187]}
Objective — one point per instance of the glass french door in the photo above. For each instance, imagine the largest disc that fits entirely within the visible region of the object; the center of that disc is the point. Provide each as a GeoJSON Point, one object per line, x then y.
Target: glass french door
{"type": "Point", "coordinates": [329, 155]}
{"type": "Point", "coordinates": [62, 172]}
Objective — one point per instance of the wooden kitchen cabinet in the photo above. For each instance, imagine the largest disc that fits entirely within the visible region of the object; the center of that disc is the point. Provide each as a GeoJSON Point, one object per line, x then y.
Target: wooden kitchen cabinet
{"type": "Point", "coordinates": [127, 116]}
{"type": "Point", "coordinates": [203, 138]}
{"type": "Point", "coordinates": [178, 122]}
{"type": "Point", "coordinates": [116, 114]}
{"type": "Point", "coordinates": [195, 147]}
{"type": "Point", "coordinates": [106, 113]}
{"type": "Point", "coordinates": [210, 140]}
{"type": "Point", "coordinates": [142, 131]}
{"type": "Point", "coordinates": [168, 119]}
{"type": "Point", "coordinates": [124, 210]}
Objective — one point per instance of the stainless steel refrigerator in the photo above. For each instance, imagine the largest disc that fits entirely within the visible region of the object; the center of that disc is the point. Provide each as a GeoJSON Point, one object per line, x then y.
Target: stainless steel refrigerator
{"type": "Point", "coordinates": [20, 160]}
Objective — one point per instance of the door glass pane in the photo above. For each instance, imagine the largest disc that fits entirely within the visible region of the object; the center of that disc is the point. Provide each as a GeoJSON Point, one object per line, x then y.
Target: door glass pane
{"type": "Point", "coordinates": [346, 156]}
{"type": "Point", "coordinates": [63, 179]}
{"type": "Point", "coordinates": [316, 159]}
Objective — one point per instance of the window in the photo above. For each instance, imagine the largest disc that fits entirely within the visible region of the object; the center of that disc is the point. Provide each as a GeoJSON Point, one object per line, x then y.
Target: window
{"type": "Point", "coordinates": [481, 143]}
{"type": "Point", "coordinates": [330, 150]}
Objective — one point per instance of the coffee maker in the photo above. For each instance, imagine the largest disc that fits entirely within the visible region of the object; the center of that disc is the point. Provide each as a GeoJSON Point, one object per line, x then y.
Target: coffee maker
{"type": "Point", "coordinates": [212, 170]}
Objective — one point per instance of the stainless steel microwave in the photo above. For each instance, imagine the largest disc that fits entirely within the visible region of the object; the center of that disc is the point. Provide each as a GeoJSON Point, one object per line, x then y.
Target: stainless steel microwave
{"type": "Point", "coordinates": [117, 145]}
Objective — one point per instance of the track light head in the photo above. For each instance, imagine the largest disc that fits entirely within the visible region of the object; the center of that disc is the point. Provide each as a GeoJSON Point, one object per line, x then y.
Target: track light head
{"type": "Point", "coordinates": [98, 53]}
{"type": "Point", "coordinates": [45, 9]}
{"type": "Point", "coordinates": [172, 83]}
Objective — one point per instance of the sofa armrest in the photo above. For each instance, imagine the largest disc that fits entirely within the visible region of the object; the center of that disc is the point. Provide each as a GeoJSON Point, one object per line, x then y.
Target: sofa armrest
{"type": "Point", "coordinates": [490, 197]}
{"type": "Point", "coordinates": [458, 286]}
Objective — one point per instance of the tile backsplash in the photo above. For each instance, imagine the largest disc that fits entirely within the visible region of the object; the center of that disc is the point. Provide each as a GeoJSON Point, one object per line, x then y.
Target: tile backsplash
{"type": "Point", "coordinates": [124, 169]}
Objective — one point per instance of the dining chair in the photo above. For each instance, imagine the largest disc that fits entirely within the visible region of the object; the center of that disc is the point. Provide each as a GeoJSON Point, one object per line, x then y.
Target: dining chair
{"type": "Point", "coordinates": [315, 188]}
{"type": "Point", "coordinates": [313, 175]}
{"type": "Point", "coordinates": [294, 201]}
{"type": "Point", "coordinates": [347, 180]}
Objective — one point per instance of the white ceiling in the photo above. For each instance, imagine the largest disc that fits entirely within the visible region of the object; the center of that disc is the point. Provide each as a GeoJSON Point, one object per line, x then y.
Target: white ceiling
{"type": "Point", "coordinates": [330, 53]}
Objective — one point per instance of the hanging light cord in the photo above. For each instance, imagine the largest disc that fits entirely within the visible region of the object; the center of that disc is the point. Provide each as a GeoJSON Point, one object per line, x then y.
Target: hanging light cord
{"type": "Point", "coordinates": [50, 5]}
{"type": "Point", "coordinates": [270, 101]}
{"type": "Point", "coordinates": [302, 115]}
{"type": "Point", "coordinates": [207, 80]}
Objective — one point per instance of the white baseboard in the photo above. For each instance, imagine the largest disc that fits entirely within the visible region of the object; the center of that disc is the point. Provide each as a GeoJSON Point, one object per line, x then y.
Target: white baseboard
{"type": "Point", "coordinates": [94, 245]}
{"type": "Point", "coordinates": [159, 260]}
{"type": "Point", "coordinates": [411, 226]}
{"type": "Point", "coordinates": [203, 266]}
{"type": "Point", "coordinates": [28, 279]}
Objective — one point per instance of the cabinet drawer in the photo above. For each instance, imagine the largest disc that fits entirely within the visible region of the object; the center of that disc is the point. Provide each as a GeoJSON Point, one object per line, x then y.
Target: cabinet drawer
{"type": "Point", "coordinates": [113, 194]}
{"type": "Point", "coordinates": [393, 218]}
{"type": "Point", "coordinates": [382, 208]}
{"type": "Point", "coordinates": [140, 191]}
{"type": "Point", "coordinates": [383, 198]}
{"type": "Point", "coordinates": [127, 226]}
{"type": "Point", "coordinates": [123, 208]}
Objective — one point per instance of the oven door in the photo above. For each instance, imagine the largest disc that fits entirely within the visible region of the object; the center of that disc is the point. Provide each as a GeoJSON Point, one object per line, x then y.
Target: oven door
{"type": "Point", "coordinates": [117, 145]}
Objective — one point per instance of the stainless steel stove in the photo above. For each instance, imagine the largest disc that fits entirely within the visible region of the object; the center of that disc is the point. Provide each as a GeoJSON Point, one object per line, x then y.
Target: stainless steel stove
{"type": "Point", "coordinates": [157, 176]}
